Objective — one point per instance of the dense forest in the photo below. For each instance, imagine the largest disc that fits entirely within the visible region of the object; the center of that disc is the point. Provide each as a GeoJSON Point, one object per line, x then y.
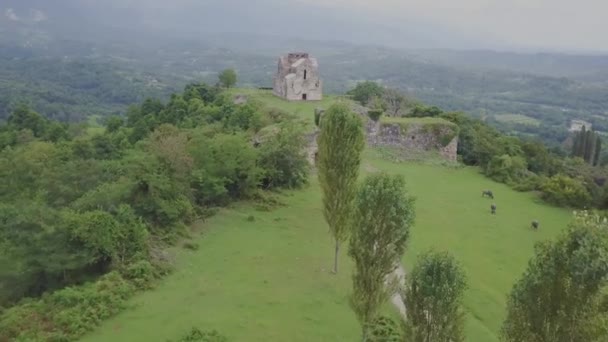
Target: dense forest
{"type": "Point", "coordinates": [76, 206]}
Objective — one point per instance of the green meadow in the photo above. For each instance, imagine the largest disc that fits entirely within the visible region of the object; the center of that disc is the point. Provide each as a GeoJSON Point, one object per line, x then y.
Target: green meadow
{"type": "Point", "coordinates": [268, 278]}
{"type": "Point", "coordinates": [517, 119]}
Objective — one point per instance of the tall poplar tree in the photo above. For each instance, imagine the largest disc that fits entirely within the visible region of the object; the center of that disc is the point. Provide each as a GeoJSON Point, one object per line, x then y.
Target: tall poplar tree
{"type": "Point", "coordinates": [384, 215]}
{"type": "Point", "coordinates": [341, 142]}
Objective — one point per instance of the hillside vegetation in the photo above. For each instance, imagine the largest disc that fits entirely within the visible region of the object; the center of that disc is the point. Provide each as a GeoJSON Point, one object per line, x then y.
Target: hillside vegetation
{"type": "Point", "coordinates": [269, 279]}
{"type": "Point", "coordinates": [91, 218]}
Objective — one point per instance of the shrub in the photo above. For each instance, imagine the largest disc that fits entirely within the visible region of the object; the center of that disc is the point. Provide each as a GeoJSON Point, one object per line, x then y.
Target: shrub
{"type": "Point", "coordinates": [67, 314]}
{"type": "Point", "coordinates": [225, 168]}
{"type": "Point", "coordinates": [197, 335]}
{"type": "Point", "coordinates": [265, 201]}
{"type": "Point", "coordinates": [507, 169]}
{"type": "Point", "coordinates": [282, 157]}
{"type": "Point", "coordinates": [383, 329]}
{"type": "Point", "coordinates": [565, 191]}
{"type": "Point", "coordinates": [375, 114]}
{"type": "Point", "coordinates": [141, 274]}
{"type": "Point", "coordinates": [193, 246]}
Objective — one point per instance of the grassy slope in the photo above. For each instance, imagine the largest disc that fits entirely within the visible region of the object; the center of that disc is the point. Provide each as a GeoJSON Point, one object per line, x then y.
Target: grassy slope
{"type": "Point", "coordinates": [517, 119]}
{"type": "Point", "coordinates": [269, 280]}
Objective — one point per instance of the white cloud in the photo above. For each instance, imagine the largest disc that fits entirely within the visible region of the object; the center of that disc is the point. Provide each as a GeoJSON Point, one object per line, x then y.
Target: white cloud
{"type": "Point", "coordinates": [11, 15]}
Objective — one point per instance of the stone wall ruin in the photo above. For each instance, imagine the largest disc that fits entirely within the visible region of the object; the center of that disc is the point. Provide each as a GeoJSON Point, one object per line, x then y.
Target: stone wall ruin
{"type": "Point", "coordinates": [411, 138]}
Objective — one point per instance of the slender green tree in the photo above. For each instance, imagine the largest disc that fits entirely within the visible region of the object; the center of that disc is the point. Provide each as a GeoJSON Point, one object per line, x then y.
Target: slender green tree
{"type": "Point", "coordinates": [227, 78]}
{"type": "Point", "coordinates": [561, 296]}
{"type": "Point", "coordinates": [576, 144]}
{"type": "Point", "coordinates": [598, 150]}
{"type": "Point", "coordinates": [433, 298]}
{"type": "Point", "coordinates": [384, 215]}
{"type": "Point", "coordinates": [589, 146]}
{"type": "Point", "coordinates": [580, 151]}
{"type": "Point", "coordinates": [341, 142]}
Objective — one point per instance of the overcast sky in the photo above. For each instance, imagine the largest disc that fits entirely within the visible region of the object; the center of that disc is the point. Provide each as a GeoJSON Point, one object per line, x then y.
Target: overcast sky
{"type": "Point", "coordinates": [536, 24]}
{"type": "Point", "coordinates": [567, 24]}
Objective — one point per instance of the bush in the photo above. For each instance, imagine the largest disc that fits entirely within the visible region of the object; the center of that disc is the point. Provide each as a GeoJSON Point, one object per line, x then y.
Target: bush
{"type": "Point", "coordinates": [562, 190]}
{"type": "Point", "coordinates": [67, 314]}
{"type": "Point", "coordinates": [375, 114]}
{"type": "Point", "coordinates": [283, 160]}
{"type": "Point", "coordinates": [193, 246]}
{"type": "Point", "coordinates": [225, 168]}
{"type": "Point", "coordinates": [364, 92]}
{"type": "Point", "coordinates": [197, 335]}
{"type": "Point", "coordinates": [142, 274]}
{"type": "Point", "coordinates": [507, 169]}
{"type": "Point", "coordinates": [383, 329]}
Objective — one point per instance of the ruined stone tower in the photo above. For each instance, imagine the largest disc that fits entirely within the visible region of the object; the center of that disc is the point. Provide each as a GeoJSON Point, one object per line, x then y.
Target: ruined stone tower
{"type": "Point", "coordinates": [297, 78]}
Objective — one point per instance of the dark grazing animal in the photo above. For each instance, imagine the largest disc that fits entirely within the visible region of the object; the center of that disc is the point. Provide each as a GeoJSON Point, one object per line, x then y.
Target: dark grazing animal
{"type": "Point", "coordinates": [535, 224]}
{"type": "Point", "coordinates": [493, 208]}
{"type": "Point", "coordinates": [487, 193]}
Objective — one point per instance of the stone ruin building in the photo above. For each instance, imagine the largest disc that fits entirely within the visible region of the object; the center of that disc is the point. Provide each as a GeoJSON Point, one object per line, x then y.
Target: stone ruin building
{"type": "Point", "coordinates": [411, 139]}
{"type": "Point", "coordinates": [297, 78]}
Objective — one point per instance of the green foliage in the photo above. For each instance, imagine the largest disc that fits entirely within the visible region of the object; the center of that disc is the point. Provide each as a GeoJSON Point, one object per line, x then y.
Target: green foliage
{"type": "Point", "coordinates": [383, 329]}
{"type": "Point", "coordinates": [561, 294]}
{"type": "Point", "coordinates": [421, 111]}
{"type": "Point", "coordinates": [74, 210]}
{"type": "Point", "coordinates": [507, 169]}
{"type": "Point", "coordinates": [227, 78]}
{"type": "Point", "coordinates": [283, 159]}
{"type": "Point", "coordinates": [383, 218]}
{"type": "Point", "coordinates": [396, 103]}
{"type": "Point", "coordinates": [566, 191]}
{"type": "Point", "coordinates": [375, 114]}
{"type": "Point", "coordinates": [364, 92]}
{"type": "Point", "coordinates": [113, 123]}
{"type": "Point", "coordinates": [197, 335]}
{"type": "Point", "coordinates": [225, 168]}
{"type": "Point", "coordinates": [67, 314]}
{"type": "Point", "coordinates": [341, 142]}
{"type": "Point", "coordinates": [433, 298]}
{"type": "Point", "coordinates": [587, 145]}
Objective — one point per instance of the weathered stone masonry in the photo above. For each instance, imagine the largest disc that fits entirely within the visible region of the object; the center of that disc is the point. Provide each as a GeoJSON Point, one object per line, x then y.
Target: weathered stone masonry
{"type": "Point", "coordinates": [415, 137]}
{"type": "Point", "coordinates": [411, 137]}
{"type": "Point", "coordinates": [297, 78]}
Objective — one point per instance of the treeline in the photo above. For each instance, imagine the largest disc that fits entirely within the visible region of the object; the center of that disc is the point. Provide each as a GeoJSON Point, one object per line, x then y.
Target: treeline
{"type": "Point", "coordinates": [69, 90]}
{"type": "Point", "coordinates": [574, 180]}
{"type": "Point", "coordinates": [85, 218]}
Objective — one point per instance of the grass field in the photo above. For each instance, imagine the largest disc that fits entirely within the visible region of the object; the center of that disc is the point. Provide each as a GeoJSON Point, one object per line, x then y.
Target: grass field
{"type": "Point", "coordinates": [303, 109]}
{"type": "Point", "coordinates": [517, 119]}
{"type": "Point", "coordinates": [269, 280]}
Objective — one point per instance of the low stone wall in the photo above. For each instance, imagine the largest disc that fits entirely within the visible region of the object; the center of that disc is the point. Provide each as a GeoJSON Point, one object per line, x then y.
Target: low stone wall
{"type": "Point", "coordinates": [414, 138]}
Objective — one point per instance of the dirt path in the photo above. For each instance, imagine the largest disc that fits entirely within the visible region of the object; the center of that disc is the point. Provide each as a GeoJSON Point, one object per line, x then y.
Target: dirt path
{"type": "Point", "coordinates": [396, 299]}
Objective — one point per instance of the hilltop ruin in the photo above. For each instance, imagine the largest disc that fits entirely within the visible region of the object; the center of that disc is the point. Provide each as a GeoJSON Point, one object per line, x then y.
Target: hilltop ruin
{"type": "Point", "coordinates": [297, 78]}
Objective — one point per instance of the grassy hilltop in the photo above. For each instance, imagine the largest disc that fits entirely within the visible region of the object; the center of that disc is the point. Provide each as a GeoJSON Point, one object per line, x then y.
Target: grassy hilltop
{"type": "Point", "coordinates": [268, 279]}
